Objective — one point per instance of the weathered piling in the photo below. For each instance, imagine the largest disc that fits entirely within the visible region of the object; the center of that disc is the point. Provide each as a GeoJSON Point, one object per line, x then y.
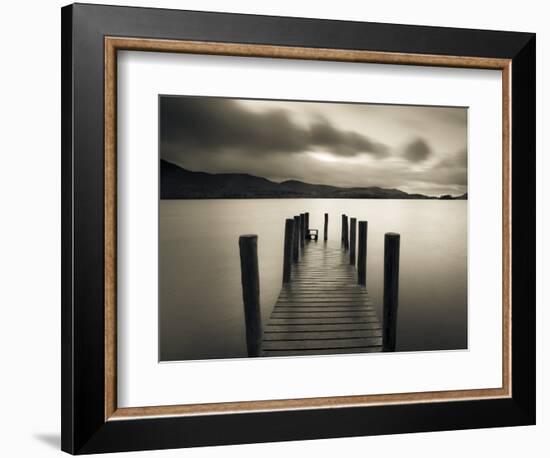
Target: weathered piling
{"type": "Point", "coordinates": [287, 257]}
{"type": "Point", "coordinates": [296, 240]}
{"type": "Point", "coordinates": [362, 254]}
{"type": "Point", "coordinates": [325, 234]}
{"type": "Point", "coordinates": [307, 225]}
{"type": "Point", "coordinates": [352, 240]}
{"type": "Point", "coordinates": [250, 280]}
{"type": "Point", "coordinates": [342, 235]}
{"type": "Point", "coordinates": [346, 233]}
{"type": "Point", "coordinates": [391, 290]}
{"type": "Point", "coordinates": [302, 229]}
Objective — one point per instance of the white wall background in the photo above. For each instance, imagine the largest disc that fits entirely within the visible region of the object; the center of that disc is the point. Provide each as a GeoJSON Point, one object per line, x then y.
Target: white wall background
{"type": "Point", "coordinates": [30, 225]}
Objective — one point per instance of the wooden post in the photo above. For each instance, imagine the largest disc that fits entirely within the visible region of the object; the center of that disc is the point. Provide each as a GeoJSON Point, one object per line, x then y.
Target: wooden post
{"type": "Point", "coordinates": [296, 240]}
{"type": "Point", "coordinates": [250, 280]}
{"type": "Point", "coordinates": [342, 236]}
{"type": "Point", "coordinates": [325, 237]}
{"type": "Point", "coordinates": [307, 224]}
{"type": "Point", "coordinates": [352, 240]}
{"type": "Point", "coordinates": [391, 290]}
{"type": "Point", "coordinates": [362, 254]}
{"type": "Point", "coordinates": [287, 258]}
{"type": "Point", "coordinates": [302, 229]}
{"type": "Point", "coordinates": [346, 233]}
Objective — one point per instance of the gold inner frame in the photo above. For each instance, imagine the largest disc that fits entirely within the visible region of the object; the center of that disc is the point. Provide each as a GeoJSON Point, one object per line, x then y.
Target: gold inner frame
{"type": "Point", "coordinates": [114, 44]}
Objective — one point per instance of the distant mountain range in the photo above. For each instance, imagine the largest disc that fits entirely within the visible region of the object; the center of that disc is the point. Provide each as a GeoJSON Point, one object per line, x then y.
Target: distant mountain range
{"type": "Point", "coordinates": [179, 183]}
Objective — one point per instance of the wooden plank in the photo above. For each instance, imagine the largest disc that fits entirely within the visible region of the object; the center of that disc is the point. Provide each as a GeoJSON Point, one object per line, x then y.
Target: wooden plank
{"type": "Point", "coordinates": [324, 316]}
{"type": "Point", "coordinates": [305, 289]}
{"type": "Point", "coordinates": [323, 285]}
{"type": "Point", "coordinates": [344, 300]}
{"type": "Point", "coordinates": [331, 351]}
{"type": "Point", "coordinates": [290, 322]}
{"type": "Point", "coordinates": [340, 282]}
{"type": "Point", "coordinates": [328, 271]}
{"type": "Point", "coordinates": [295, 308]}
{"type": "Point", "coordinates": [308, 312]}
{"type": "Point", "coordinates": [327, 308]}
{"type": "Point", "coordinates": [325, 291]}
{"type": "Point", "coordinates": [325, 300]}
{"type": "Point", "coordinates": [291, 308]}
{"type": "Point", "coordinates": [326, 296]}
{"type": "Point", "coordinates": [322, 313]}
{"type": "Point", "coordinates": [274, 328]}
{"type": "Point", "coordinates": [299, 287]}
{"type": "Point", "coordinates": [321, 344]}
{"type": "Point", "coordinates": [319, 335]}
{"type": "Point", "coordinates": [328, 299]}
{"type": "Point", "coordinates": [325, 273]}
{"type": "Point", "coordinates": [348, 279]}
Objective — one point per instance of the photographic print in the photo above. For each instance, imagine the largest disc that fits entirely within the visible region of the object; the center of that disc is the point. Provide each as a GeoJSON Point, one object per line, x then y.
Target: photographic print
{"type": "Point", "coordinates": [299, 228]}
{"type": "Point", "coordinates": [260, 229]}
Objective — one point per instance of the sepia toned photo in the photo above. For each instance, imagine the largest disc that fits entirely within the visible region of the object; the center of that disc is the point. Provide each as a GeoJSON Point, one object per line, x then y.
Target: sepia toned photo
{"type": "Point", "coordinates": [300, 228]}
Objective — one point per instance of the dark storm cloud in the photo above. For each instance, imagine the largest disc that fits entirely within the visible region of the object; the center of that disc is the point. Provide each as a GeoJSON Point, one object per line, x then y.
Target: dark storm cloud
{"type": "Point", "coordinates": [412, 148]}
{"type": "Point", "coordinates": [417, 151]}
{"type": "Point", "coordinates": [344, 143]}
{"type": "Point", "coordinates": [212, 125]}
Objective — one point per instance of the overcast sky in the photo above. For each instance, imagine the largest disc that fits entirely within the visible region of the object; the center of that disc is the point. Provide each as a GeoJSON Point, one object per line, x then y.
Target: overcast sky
{"type": "Point", "coordinates": [415, 149]}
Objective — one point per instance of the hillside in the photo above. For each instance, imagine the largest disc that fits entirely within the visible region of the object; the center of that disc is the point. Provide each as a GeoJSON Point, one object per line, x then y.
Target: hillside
{"type": "Point", "coordinates": [179, 183]}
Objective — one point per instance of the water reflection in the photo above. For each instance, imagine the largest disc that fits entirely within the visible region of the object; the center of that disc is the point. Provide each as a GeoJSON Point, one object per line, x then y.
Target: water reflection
{"type": "Point", "coordinates": [201, 312]}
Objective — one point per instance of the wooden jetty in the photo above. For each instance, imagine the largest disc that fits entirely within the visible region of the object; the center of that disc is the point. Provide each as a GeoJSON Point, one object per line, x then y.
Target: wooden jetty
{"type": "Point", "coordinates": [323, 306]}
{"type": "Point", "coordinates": [322, 309]}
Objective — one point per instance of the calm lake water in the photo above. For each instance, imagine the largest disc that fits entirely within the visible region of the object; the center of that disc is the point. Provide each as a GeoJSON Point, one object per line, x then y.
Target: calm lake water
{"type": "Point", "coordinates": [201, 311]}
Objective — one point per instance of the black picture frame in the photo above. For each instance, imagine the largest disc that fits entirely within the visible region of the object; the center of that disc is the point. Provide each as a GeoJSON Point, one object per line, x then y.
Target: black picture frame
{"type": "Point", "coordinates": [84, 427]}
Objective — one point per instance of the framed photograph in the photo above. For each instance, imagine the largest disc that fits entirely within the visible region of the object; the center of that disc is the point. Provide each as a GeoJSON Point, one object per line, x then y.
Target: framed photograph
{"type": "Point", "coordinates": [273, 221]}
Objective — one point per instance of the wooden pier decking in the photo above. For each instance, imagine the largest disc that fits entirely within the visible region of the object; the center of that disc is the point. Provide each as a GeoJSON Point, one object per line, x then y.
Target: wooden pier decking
{"type": "Point", "coordinates": [322, 309]}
